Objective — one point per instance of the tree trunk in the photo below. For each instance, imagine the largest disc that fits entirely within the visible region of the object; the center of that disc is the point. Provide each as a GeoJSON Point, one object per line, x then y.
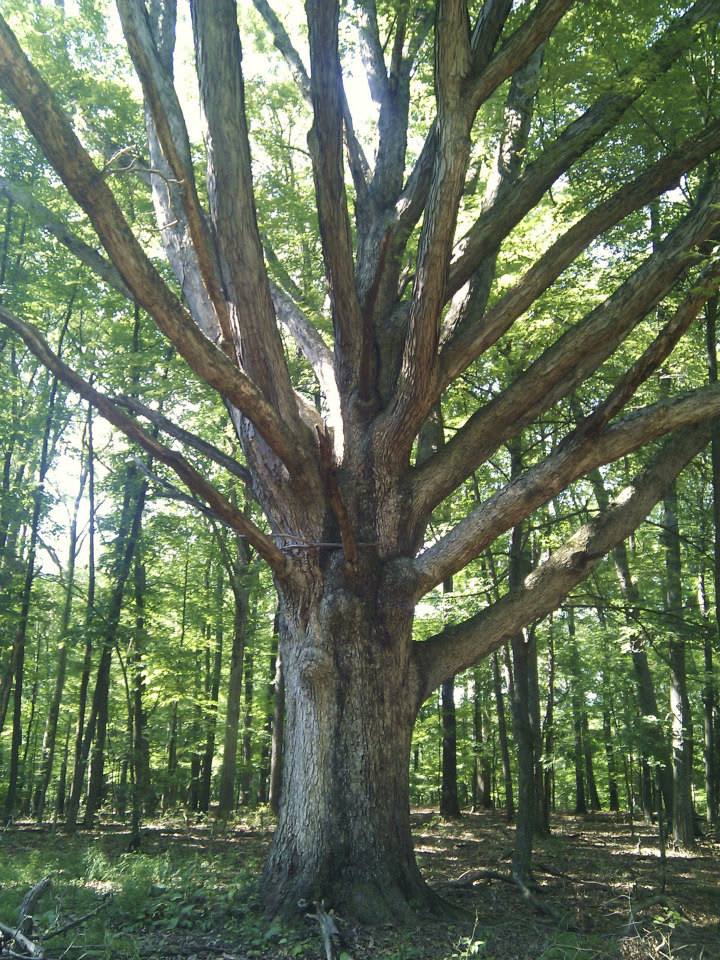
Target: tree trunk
{"type": "Point", "coordinates": [343, 829]}
{"type": "Point", "coordinates": [652, 743]}
{"type": "Point", "coordinates": [17, 663]}
{"type": "Point", "coordinates": [482, 773]}
{"type": "Point", "coordinates": [503, 739]}
{"type": "Point", "coordinates": [51, 724]}
{"type": "Point", "coordinates": [449, 804]}
{"type": "Point", "coordinates": [79, 763]}
{"type": "Point", "coordinates": [96, 731]}
{"type": "Point", "coordinates": [212, 700]}
{"type": "Point", "coordinates": [228, 773]}
{"type": "Point", "coordinates": [613, 795]}
{"type": "Point", "coordinates": [683, 815]}
{"type": "Point", "coordinates": [589, 767]}
{"type": "Point", "coordinates": [139, 747]}
{"type": "Point", "coordinates": [246, 775]}
{"type": "Point", "coordinates": [171, 787]}
{"type": "Point", "coordinates": [710, 706]}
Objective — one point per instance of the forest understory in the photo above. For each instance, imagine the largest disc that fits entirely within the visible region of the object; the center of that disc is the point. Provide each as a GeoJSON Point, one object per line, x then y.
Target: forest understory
{"type": "Point", "coordinates": [193, 893]}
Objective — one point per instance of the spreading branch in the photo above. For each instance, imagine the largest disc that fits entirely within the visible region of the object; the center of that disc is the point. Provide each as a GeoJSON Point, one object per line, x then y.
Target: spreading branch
{"type": "Point", "coordinates": [38, 346]}
{"type": "Point", "coordinates": [459, 646]}
{"type": "Point", "coordinates": [480, 333]}
{"type": "Point", "coordinates": [31, 95]}
{"type": "Point", "coordinates": [495, 224]}
{"type": "Point", "coordinates": [574, 459]}
{"type": "Point", "coordinates": [569, 361]}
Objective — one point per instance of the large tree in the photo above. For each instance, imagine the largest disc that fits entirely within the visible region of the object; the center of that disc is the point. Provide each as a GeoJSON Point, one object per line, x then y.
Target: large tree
{"type": "Point", "coordinates": [348, 487]}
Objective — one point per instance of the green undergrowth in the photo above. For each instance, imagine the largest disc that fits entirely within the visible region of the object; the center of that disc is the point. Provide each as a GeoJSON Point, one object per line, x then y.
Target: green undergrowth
{"type": "Point", "coordinates": [179, 893]}
{"type": "Point", "coordinates": [193, 892]}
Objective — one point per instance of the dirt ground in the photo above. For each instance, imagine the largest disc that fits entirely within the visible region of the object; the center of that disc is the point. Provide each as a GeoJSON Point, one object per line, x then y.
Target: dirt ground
{"type": "Point", "coordinates": [193, 894]}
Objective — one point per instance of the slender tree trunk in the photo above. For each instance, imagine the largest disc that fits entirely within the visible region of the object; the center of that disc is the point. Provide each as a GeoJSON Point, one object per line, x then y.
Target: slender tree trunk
{"type": "Point", "coordinates": [710, 706]}
{"type": "Point", "coordinates": [96, 730]}
{"type": "Point", "coordinates": [549, 735]}
{"type": "Point", "coordinates": [589, 766]}
{"type": "Point", "coordinates": [246, 775]}
{"type": "Point", "coordinates": [171, 790]}
{"type": "Point", "coordinates": [449, 804]}
{"type": "Point", "coordinates": [576, 699]}
{"type": "Point", "coordinates": [18, 650]}
{"type": "Point", "coordinates": [51, 724]}
{"type": "Point", "coordinates": [62, 778]}
{"type": "Point", "coordinates": [139, 747]}
{"type": "Point", "coordinates": [683, 814]}
{"type": "Point", "coordinates": [652, 743]}
{"type": "Point", "coordinates": [79, 764]}
{"type": "Point", "coordinates": [503, 739]}
{"type": "Point", "coordinates": [212, 702]}
{"type": "Point", "coordinates": [613, 794]}
{"type": "Point", "coordinates": [482, 772]}
{"type": "Point", "coordinates": [228, 774]}
{"type": "Point", "coordinates": [263, 792]}
{"type": "Point", "coordinates": [30, 739]}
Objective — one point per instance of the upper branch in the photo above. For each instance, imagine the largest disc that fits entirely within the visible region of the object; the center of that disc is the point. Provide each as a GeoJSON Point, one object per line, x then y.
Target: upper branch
{"type": "Point", "coordinates": [45, 119]}
{"type": "Point", "coordinates": [218, 57]}
{"type": "Point", "coordinates": [187, 473]}
{"type": "Point", "coordinates": [478, 336]}
{"type": "Point", "coordinates": [459, 646]}
{"type": "Point", "coordinates": [459, 94]}
{"type": "Point", "coordinates": [356, 157]}
{"type": "Point", "coordinates": [169, 125]}
{"type": "Point", "coordinates": [568, 362]}
{"type": "Point", "coordinates": [496, 223]}
{"type": "Point", "coordinates": [353, 344]}
{"type": "Point", "coordinates": [526, 39]}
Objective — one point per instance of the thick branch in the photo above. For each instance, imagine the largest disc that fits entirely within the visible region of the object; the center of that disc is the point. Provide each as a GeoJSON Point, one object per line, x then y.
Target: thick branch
{"type": "Point", "coordinates": [477, 337]}
{"type": "Point", "coordinates": [497, 222]}
{"type": "Point", "coordinates": [353, 343]}
{"type": "Point", "coordinates": [460, 646]}
{"type": "Point", "coordinates": [511, 151]}
{"type": "Point", "coordinates": [452, 64]}
{"type": "Point", "coordinates": [519, 47]}
{"type": "Point", "coordinates": [169, 125]}
{"type": "Point", "coordinates": [43, 116]}
{"type": "Point", "coordinates": [540, 483]}
{"type": "Point", "coordinates": [359, 166]}
{"type": "Point", "coordinates": [218, 57]}
{"type": "Point", "coordinates": [568, 362]}
{"type": "Point", "coordinates": [36, 343]}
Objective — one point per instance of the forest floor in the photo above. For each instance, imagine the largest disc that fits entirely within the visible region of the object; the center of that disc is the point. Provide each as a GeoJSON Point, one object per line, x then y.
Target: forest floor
{"type": "Point", "coordinates": [193, 894]}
